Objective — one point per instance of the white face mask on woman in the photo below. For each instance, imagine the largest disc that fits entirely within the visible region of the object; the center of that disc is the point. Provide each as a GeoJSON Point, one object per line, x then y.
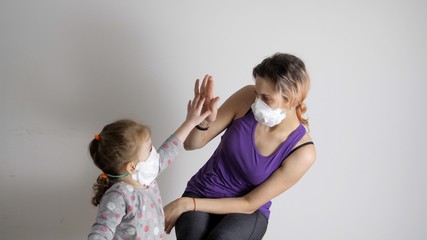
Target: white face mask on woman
{"type": "Point", "coordinates": [148, 170]}
{"type": "Point", "coordinates": [265, 115]}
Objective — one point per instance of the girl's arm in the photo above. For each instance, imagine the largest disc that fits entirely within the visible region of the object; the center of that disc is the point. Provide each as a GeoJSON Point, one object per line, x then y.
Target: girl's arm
{"type": "Point", "coordinates": [110, 213]}
{"type": "Point", "coordinates": [291, 170]}
{"type": "Point", "coordinates": [172, 146]}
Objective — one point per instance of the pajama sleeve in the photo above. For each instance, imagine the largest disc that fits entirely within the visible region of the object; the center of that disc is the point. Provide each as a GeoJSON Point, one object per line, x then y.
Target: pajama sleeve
{"type": "Point", "coordinates": [111, 210]}
{"type": "Point", "coordinates": [168, 151]}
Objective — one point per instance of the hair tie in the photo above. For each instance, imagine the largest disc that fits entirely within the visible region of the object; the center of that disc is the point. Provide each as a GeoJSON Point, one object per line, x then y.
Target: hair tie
{"type": "Point", "coordinates": [103, 176]}
{"type": "Point", "coordinates": [98, 137]}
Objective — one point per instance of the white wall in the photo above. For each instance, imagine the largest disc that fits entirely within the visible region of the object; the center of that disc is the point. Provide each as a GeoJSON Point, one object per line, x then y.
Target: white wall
{"type": "Point", "coordinates": [67, 68]}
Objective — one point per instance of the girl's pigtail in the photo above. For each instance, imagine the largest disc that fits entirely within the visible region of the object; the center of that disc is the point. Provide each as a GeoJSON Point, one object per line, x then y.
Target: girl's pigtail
{"type": "Point", "coordinates": [100, 187]}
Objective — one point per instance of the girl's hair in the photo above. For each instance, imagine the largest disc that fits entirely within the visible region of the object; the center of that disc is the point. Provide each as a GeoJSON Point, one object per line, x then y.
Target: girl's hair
{"type": "Point", "coordinates": [290, 78]}
{"type": "Point", "coordinates": [116, 145]}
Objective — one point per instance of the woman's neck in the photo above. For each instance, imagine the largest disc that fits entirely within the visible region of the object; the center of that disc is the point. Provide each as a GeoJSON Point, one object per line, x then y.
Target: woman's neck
{"type": "Point", "coordinates": [288, 125]}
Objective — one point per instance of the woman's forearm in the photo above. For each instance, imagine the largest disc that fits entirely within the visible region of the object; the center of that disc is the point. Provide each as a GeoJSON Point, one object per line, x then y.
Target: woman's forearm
{"type": "Point", "coordinates": [218, 205]}
{"type": "Point", "coordinates": [181, 205]}
{"type": "Point", "coordinates": [197, 138]}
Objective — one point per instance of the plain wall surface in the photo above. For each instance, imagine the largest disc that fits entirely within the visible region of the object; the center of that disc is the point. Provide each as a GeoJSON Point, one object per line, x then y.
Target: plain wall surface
{"type": "Point", "coordinates": [67, 68]}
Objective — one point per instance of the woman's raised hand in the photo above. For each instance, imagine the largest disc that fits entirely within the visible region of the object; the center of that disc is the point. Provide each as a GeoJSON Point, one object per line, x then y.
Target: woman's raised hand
{"type": "Point", "coordinates": [206, 91]}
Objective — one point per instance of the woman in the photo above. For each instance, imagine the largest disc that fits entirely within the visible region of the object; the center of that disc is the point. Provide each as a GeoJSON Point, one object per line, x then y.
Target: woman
{"type": "Point", "coordinates": [264, 151]}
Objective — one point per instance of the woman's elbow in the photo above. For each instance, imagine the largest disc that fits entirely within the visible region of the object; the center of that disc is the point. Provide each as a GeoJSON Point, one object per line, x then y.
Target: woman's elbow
{"type": "Point", "coordinates": [249, 211]}
{"type": "Point", "coordinates": [186, 147]}
{"type": "Point", "coordinates": [189, 147]}
{"type": "Point", "coordinates": [248, 207]}
{"type": "Point", "coordinates": [252, 209]}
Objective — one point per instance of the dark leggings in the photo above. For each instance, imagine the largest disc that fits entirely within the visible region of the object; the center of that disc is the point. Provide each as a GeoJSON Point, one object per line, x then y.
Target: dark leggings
{"type": "Point", "coordinates": [195, 225]}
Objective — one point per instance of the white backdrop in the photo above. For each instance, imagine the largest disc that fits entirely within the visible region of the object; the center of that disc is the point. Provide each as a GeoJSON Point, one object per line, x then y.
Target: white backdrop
{"type": "Point", "coordinates": [67, 68]}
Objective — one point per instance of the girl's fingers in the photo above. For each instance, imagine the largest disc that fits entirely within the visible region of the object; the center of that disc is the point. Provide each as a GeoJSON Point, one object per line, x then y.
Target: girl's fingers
{"type": "Point", "coordinates": [199, 103]}
{"type": "Point", "coordinates": [196, 96]}
{"type": "Point", "coordinates": [196, 104]}
{"type": "Point", "coordinates": [205, 114]}
{"type": "Point", "coordinates": [189, 105]}
{"type": "Point", "coordinates": [196, 99]}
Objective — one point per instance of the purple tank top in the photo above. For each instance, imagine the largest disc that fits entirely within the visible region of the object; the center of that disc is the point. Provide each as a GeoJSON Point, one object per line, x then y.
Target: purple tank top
{"type": "Point", "coordinates": [236, 167]}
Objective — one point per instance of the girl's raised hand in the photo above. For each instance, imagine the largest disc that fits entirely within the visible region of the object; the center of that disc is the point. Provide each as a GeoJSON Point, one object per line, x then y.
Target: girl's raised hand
{"type": "Point", "coordinates": [195, 115]}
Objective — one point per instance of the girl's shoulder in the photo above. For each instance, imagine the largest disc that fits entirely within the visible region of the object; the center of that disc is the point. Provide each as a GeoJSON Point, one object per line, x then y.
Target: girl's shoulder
{"type": "Point", "coordinates": [121, 187]}
{"type": "Point", "coordinates": [121, 190]}
{"type": "Point", "coordinates": [127, 189]}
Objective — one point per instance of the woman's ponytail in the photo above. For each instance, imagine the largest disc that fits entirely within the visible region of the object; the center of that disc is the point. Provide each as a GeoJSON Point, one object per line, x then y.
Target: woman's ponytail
{"type": "Point", "coordinates": [300, 110]}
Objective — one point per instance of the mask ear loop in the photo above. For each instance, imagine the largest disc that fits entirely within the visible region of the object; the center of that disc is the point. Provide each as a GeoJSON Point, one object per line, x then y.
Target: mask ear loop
{"type": "Point", "coordinates": [118, 176]}
{"type": "Point", "coordinates": [105, 175]}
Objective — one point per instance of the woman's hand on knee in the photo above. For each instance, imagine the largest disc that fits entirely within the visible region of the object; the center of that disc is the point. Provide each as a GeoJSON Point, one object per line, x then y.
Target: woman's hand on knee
{"type": "Point", "coordinates": [174, 210]}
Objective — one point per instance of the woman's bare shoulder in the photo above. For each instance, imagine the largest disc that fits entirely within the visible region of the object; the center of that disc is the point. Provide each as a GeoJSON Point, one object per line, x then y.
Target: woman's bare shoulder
{"type": "Point", "coordinates": [241, 100]}
{"type": "Point", "coordinates": [308, 151]}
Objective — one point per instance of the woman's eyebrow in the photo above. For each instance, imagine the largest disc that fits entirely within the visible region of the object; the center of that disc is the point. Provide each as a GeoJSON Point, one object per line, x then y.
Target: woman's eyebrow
{"type": "Point", "coordinates": [265, 95]}
{"type": "Point", "coordinates": [262, 94]}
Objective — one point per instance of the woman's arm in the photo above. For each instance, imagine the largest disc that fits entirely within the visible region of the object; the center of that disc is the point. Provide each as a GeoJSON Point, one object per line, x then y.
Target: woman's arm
{"type": "Point", "coordinates": [235, 106]}
{"type": "Point", "coordinates": [288, 174]}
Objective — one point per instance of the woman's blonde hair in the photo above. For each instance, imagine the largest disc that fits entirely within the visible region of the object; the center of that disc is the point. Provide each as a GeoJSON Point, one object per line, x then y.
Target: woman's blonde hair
{"type": "Point", "coordinates": [289, 76]}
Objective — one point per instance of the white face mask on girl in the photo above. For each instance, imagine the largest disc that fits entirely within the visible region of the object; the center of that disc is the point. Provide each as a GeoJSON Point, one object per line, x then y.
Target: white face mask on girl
{"type": "Point", "coordinates": [265, 115]}
{"type": "Point", "coordinates": [148, 170]}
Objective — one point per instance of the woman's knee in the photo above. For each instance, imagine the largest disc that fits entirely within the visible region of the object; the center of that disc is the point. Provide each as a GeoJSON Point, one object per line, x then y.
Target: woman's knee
{"type": "Point", "coordinates": [193, 226]}
{"type": "Point", "coordinates": [239, 227]}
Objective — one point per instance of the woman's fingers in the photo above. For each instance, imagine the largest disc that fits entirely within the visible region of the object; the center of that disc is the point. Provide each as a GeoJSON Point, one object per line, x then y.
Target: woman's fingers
{"type": "Point", "coordinates": [204, 101]}
{"type": "Point", "coordinates": [167, 228]}
{"type": "Point", "coordinates": [209, 87]}
{"type": "Point", "coordinates": [204, 84]}
{"type": "Point", "coordinates": [205, 88]}
{"type": "Point", "coordinates": [169, 224]}
{"type": "Point", "coordinates": [213, 102]}
{"type": "Point", "coordinates": [196, 88]}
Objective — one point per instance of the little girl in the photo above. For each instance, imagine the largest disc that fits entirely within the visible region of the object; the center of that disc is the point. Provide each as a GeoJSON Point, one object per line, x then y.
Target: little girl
{"type": "Point", "coordinates": [130, 206]}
